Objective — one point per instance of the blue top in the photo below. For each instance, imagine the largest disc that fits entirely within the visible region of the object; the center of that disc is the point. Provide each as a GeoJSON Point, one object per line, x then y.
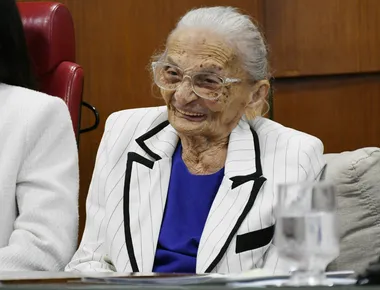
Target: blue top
{"type": "Point", "coordinates": [188, 203]}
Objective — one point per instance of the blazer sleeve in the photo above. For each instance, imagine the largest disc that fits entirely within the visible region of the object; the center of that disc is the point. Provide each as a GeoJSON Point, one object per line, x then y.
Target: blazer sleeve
{"type": "Point", "coordinates": [45, 230]}
{"type": "Point", "coordinates": [90, 256]}
{"type": "Point", "coordinates": [311, 160]}
{"type": "Point", "coordinates": [310, 167]}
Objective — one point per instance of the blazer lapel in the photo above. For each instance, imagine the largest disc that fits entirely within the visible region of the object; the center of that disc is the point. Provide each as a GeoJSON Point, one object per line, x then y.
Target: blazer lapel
{"type": "Point", "coordinates": [147, 176]}
{"type": "Point", "coordinates": [236, 196]}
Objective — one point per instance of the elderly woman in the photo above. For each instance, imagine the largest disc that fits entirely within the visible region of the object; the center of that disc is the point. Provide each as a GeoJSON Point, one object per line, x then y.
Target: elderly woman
{"type": "Point", "coordinates": [190, 187]}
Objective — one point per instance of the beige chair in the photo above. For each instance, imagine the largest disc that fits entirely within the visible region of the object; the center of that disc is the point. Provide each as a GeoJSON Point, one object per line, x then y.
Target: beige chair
{"type": "Point", "coordinates": [357, 176]}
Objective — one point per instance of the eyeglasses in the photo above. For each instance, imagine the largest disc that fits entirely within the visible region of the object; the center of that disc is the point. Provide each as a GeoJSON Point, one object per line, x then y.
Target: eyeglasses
{"type": "Point", "coordinates": [205, 85]}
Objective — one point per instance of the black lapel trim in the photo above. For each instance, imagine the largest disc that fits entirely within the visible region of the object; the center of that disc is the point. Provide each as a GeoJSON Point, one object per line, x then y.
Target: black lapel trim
{"type": "Point", "coordinates": [255, 190]}
{"type": "Point", "coordinates": [256, 141]}
{"type": "Point", "coordinates": [254, 240]}
{"type": "Point", "coordinates": [147, 135]}
{"type": "Point", "coordinates": [132, 157]}
{"type": "Point", "coordinates": [241, 179]}
{"type": "Point", "coordinates": [237, 181]}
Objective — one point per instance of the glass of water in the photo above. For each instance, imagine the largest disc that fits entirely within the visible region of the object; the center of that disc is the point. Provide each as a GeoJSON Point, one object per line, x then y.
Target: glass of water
{"type": "Point", "coordinates": [306, 232]}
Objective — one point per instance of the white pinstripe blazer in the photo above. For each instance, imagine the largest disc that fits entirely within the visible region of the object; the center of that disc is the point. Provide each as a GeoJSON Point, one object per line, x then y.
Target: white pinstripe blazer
{"type": "Point", "coordinates": [127, 196]}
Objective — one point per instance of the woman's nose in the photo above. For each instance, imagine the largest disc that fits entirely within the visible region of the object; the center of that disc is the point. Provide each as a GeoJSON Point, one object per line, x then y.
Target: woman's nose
{"type": "Point", "coordinates": [184, 93]}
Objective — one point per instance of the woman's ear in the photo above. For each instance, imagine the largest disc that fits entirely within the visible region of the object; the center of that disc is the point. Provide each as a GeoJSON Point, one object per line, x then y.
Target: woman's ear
{"type": "Point", "coordinates": [257, 99]}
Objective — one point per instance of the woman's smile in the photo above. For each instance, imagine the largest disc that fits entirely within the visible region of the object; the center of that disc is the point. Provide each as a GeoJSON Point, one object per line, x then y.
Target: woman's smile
{"type": "Point", "coordinates": [190, 115]}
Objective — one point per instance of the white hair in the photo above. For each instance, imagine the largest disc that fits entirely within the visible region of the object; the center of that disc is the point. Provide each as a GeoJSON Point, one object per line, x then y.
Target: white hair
{"type": "Point", "coordinates": [238, 30]}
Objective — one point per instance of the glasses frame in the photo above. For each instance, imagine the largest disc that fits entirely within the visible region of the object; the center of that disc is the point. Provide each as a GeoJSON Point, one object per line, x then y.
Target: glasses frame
{"type": "Point", "coordinates": [225, 80]}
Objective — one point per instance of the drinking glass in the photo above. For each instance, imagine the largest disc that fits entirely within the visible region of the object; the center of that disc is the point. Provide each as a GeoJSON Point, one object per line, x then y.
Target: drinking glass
{"type": "Point", "coordinates": [306, 232]}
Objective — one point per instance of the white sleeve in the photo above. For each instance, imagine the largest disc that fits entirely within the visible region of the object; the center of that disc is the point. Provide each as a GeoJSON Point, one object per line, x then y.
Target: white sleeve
{"type": "Point", "coordinates": [311, 164]}
{"type": "Point", "coordinates": [91, 256]}
{"type": "Point", "coordinates": [45, 230]}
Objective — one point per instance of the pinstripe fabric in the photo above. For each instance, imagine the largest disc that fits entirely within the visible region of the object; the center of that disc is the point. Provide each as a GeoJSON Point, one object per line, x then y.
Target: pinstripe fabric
{"type": "Point", "coordinates": [128, 191]}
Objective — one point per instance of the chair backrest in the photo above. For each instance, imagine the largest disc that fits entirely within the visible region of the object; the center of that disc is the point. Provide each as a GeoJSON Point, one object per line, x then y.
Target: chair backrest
{"type": "Point", "coordinates": [50, 37]}
{"type": "Point", "coordinates": [356, 177]}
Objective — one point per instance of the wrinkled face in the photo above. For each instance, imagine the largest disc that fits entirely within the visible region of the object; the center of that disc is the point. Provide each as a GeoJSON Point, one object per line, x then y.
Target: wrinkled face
{"type": "Point", "coordinates": [195, 51]}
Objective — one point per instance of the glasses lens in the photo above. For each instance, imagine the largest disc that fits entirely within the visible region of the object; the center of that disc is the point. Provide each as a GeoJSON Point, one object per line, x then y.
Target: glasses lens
{"type": "Point", "coordinates": [207, 85]}
{"type": "Point", "coordinates": [167, 76]}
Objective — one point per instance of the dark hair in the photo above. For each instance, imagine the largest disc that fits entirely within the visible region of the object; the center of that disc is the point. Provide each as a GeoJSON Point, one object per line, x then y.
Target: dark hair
{"type": "Point", "coordinates": [15, 65]}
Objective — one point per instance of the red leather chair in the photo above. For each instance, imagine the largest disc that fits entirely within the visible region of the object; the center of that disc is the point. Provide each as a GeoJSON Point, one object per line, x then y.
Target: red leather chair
{"type": "Point", "coordinates": [49, 31]}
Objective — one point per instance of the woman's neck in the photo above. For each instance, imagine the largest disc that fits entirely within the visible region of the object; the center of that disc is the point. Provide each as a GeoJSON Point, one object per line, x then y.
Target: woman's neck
{"type": "Point", "coordinates": [202, 155]}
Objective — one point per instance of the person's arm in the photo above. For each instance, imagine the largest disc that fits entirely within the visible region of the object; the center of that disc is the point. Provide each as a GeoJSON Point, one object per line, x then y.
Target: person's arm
{"type": "Point", "coordinates": [310, 166]}
{"type": "Point", "coordinates": [311, 160]}
{"type": "Point", "coordinates": [91, 256]}
{"type": "Point", "coordinates": [45, 230]}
